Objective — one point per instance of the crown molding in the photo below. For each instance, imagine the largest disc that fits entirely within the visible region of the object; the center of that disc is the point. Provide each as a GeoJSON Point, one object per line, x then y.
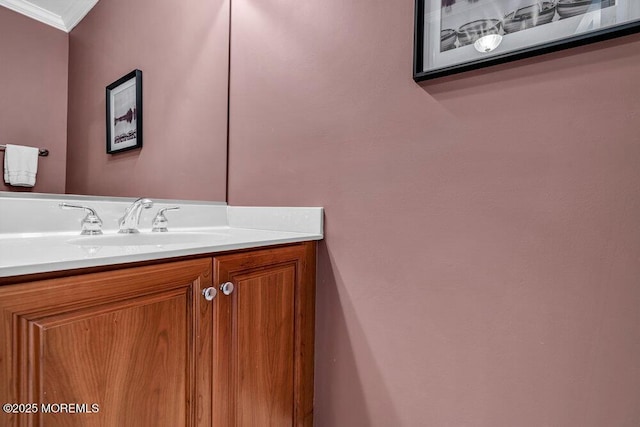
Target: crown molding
{"type": "Point", "coordinates": [73, 14]}
{"type": "Point", "coordinates": [35, 12]}
{"type": "Point", "coordinates": [76, 11]}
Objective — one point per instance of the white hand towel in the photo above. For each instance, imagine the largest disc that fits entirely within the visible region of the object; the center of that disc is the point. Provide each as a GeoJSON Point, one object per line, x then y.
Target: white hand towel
{"type": "Point", "coordinates": [20, 165]}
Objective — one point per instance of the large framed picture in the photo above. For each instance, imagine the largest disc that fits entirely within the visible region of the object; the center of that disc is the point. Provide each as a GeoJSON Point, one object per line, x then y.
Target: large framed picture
{"type": "Point", "coordinates": [452, 36]}
{"type": "Point", "coordinates": [124, 113]}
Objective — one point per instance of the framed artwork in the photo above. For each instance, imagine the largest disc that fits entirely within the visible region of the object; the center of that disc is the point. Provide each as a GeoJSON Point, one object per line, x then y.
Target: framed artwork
{"type": "Point", "coordinates": [124, 113]}
{"type": "Point", "coordinates": [452, 36]}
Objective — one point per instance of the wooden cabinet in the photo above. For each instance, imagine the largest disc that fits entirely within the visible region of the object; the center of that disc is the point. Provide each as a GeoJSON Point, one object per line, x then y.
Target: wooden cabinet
{"type": "Point", "coordinates": [146, 347]}
{"type": "Point", "coordinates": [264, 336]}
{"type": "Point", "coordinates": [133, 341]}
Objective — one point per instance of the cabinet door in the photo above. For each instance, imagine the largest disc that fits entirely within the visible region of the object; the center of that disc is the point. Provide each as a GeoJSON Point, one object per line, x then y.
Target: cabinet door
{"type": "Point", "coordinates": [263, 374]}
{"type": "Point", "coordinates": [135, 342]}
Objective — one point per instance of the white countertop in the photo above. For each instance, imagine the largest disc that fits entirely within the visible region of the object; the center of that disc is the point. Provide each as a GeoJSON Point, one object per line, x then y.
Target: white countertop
{"type": "Point", "coordinates": [33, 245]}
{"type": "Point", "coordinates": [64, 251]}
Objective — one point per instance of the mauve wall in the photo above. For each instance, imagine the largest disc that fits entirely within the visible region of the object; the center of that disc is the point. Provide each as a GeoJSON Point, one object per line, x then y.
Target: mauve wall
{"type": "Point", "coordinates": [481, 265]}
{"type": "Point", "coordinates": [33, 95]}
{"type": "Point", "coordinates": [182, 50]}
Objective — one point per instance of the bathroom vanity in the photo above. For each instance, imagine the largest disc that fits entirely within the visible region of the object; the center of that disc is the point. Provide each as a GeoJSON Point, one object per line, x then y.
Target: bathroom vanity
{"type": "Point", "coordinates": [185, 332]}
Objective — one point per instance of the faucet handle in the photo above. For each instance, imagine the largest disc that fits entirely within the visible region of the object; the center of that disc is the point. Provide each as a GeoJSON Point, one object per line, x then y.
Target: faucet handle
{"type": "Point", "coordinates": [160, 221]}
{"type": "Point", "coordinates": [91, 224]}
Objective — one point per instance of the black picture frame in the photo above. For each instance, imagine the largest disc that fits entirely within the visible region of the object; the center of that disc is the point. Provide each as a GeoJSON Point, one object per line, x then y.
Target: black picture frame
{"type": "Point", "coordinates": [124, 113]}
{"type": "Point", "coordinates": [531, 32]}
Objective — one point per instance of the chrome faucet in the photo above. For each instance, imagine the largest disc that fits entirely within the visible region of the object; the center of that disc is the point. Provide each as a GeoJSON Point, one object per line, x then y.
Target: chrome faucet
{"type": "Point", "coordinates": [129, 221]}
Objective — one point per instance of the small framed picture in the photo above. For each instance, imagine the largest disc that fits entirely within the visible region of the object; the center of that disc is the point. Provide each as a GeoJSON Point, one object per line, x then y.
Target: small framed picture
{"type": "Point", "coordinates": [124, 113]}
{"type": "Point", "coordinates": [453, 36]}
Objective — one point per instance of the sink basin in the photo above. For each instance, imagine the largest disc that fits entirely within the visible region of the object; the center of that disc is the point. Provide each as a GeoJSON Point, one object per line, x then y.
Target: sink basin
{"type": "Point", "coordinates": [149, 239]}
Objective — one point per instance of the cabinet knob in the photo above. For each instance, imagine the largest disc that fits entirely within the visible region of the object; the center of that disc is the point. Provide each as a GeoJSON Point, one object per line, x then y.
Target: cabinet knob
{"type": "Point", "coordinates": [209, 293]}
{"type": "Point", "coordinates": [227, 288]}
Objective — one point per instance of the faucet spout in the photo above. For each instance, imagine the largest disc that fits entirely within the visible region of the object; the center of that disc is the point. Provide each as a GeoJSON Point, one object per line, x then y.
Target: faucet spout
{"type": "Point", "coordinates": [129, 221]}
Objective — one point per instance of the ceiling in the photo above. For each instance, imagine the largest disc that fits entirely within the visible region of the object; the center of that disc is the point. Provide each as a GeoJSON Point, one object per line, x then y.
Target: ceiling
{"type": "Point", "coordinates": [61, 14]}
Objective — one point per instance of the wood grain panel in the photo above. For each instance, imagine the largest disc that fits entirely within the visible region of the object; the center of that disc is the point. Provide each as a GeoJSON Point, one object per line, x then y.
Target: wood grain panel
{"type": "Point", "coordinates": [305, 337]}
{"type": "Point", "coordinates": [264, 325]}
{"type": "Point", "coordinates": [130, 360]}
